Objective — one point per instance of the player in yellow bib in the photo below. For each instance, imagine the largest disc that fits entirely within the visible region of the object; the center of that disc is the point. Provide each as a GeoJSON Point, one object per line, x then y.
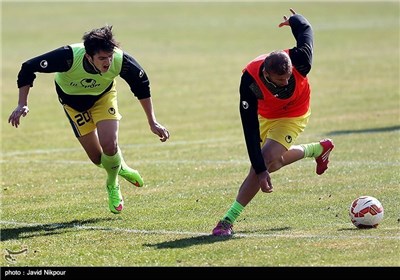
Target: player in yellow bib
{"type": "Point", "coordinates": [85, 83]}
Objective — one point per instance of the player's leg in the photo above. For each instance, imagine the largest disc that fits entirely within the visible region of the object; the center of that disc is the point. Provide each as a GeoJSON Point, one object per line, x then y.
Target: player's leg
{"type": "Point", "coordinates": [107, 108]}
{"type": "Point", "coordinates": [278, 140]}
{"type": "Point", "coordinates": [286, 131]}
{"type": "Point", "coordinates": [106, 117]}
{"type": "Point", "coordinates": [91, 145]}
{"type": "Point", "coordinates": [111, 161]}
{"type": "Point", "coordinates": [248, 189]}
{"type": "Point", "coordinates": [107, 131]}
{"type": "Point", "coordinates": [278, 136]}
{"type": "Point", "coordinates": [84, 128]}
{"type": "Point", "coordinates": [318, 150]}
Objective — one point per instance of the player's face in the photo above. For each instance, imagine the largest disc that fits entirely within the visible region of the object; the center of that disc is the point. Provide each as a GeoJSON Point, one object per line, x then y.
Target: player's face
{"type": "Point", "coordinates": [102, 60]}
{"type": "Point", "coordinates": [278, 80]}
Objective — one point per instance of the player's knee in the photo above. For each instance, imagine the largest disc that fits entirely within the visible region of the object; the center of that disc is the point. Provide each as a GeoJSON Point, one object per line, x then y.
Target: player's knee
{"type": "Point", "coordinates": [275, 164]}
{"type": "Point", "coordinates": [110, 148]}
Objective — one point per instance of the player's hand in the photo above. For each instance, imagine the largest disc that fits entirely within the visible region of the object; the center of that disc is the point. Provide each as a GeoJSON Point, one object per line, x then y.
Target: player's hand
{"type": "Point", "coordinates": [160, 131]}
{"type": "Point", "coordinates": [15, 116]}
{"type": "Point", "coordinates": [265, 182]}
{"type": "Point", "coordinates": [286, 19]}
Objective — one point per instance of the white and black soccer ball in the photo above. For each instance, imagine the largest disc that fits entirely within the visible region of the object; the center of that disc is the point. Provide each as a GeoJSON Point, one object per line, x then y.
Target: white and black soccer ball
{"type": "Point", "coordinates": [366, 212]}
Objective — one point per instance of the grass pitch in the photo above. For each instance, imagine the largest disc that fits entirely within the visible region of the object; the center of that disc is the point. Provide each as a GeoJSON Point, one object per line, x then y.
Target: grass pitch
{"type": "Point", "coordinates": [54, 202]}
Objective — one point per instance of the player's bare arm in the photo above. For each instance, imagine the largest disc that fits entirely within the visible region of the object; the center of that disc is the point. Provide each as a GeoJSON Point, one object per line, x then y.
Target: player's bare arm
{"type": "Point", "coordinates": [22, 107]}
{"type": "Point", "coordinates": [286, 19]}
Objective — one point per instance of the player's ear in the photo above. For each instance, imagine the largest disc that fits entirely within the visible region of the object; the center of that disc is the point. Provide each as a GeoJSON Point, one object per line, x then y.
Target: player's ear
{"type": "Point", "coordinates": [88, 57]}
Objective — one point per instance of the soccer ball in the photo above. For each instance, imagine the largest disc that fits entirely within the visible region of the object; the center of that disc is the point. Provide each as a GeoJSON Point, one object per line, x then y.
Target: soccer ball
{"type": "Point", "coordinates": [366, 212]}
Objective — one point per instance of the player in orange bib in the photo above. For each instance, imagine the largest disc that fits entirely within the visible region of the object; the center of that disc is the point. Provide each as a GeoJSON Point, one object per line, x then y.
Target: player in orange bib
{"type": "Point", "coordinates": [274, 110]}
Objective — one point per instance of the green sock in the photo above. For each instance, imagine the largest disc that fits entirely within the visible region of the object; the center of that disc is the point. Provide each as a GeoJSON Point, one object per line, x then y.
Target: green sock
{"type": "Point", "coordinates": [123, 163]}
{"type": "Point", "coordinates": [112, 164]}
{"type": "Point", "coordinates": [312, 150]}
{"type": "Point", "coordinates": [234, 212]}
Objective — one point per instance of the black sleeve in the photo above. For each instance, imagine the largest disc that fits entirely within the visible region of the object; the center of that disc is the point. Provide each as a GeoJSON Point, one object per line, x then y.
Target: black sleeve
{"type": "Point", "coordinates": [135, 76]}
{"type": "Point", "coordinates": [249, 117]}
{"type": "Point", "coordinates": [58, 60]}
{"type": "Point", "coordinates": [302, 54]}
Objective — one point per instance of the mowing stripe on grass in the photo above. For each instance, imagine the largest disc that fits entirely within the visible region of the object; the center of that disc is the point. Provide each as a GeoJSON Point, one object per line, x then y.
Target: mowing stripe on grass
{"type": "Point", "coordinates": [197, 162]}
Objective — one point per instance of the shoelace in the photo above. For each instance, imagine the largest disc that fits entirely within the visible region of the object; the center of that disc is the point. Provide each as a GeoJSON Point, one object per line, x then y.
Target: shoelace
{"type": "Point", "coordinates": [225, 225]}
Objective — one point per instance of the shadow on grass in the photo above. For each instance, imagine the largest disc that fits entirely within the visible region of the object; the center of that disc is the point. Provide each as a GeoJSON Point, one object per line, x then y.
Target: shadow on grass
{"type": "Point", "coordinates": [263, 232]}
{"type": "Point", "coordinates": [205, 239]}
{"type": "Point", "coordinates": [370, 130]}
{"type": "Point", "coordinates": [45, 229]}
{"type": "Point", "coordinates": [190, 241]}
{"type": "Point", "coordinates": [355, 228]}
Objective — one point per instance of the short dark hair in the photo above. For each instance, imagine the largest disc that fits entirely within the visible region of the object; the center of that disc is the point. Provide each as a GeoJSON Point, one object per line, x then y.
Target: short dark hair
{"type": "Point", "coordinates": [99, 39]}
{"type": "Point", "coordinates": [278, 62]}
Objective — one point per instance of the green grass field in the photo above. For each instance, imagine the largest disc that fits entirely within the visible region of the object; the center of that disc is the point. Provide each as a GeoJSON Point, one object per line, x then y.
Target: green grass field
{"type": "Point", "coordinates": [54, 202]}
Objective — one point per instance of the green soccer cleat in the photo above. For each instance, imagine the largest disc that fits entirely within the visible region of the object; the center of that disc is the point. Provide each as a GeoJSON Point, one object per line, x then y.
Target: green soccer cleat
{"type": "Point", "coordinates": [132, 176]}
{"type": "Point", "coordinates": [115, 200]}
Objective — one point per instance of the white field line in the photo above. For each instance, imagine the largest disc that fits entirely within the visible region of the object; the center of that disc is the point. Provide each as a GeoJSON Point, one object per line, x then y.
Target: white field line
{"type": "Point", "coordinates": [123, 147]}
{"type": "Point", "coordinates": [77, 226]}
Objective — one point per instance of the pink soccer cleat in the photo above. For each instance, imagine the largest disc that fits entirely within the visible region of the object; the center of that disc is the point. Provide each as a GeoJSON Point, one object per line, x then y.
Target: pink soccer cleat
{"type": "Point", "coordinates": [223, 228]}
{"type": "Point", "coordinates": [323, 159]}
